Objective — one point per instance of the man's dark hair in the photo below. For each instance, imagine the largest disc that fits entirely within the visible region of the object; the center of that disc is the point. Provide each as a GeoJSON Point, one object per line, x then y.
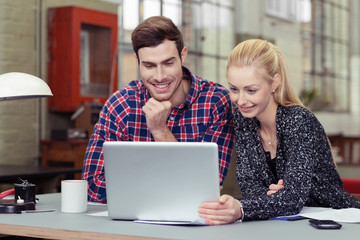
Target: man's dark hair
{"type": "Point", "coordinates": [153, 31]}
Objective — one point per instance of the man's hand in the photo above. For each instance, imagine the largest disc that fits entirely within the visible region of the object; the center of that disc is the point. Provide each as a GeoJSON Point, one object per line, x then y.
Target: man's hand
{"type": "Point", "coordinates": [273, 188]}
{"type": "Point", "coordinates": [157, 114]}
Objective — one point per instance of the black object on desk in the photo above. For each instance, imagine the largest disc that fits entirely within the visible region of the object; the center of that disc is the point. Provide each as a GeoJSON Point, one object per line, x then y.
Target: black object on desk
{"type": "Point", "coordinates": [10, 206]}
{"type": "Point", "coordinates": [324, 224]}
{"type": "Point", "coordinates": [25, 191]}
{"type": "Point", "coordinates": [24, 198]}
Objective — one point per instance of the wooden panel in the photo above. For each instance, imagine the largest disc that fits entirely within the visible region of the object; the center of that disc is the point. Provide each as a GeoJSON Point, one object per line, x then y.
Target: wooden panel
{"type": "Point", "coordinates": [347, 148]}
{"type": "Point", "coordinates": [63, 152]}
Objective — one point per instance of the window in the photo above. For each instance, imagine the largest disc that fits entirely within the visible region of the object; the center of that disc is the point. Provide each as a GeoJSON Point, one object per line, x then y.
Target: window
{"type": "Point", "coordinates": [282, 8]}
{"type": "Point", "coordinates": [207, 28]}
{"type": "Point", "coordinates": [327, 44]}
{"type": "Point", "coordinates": [289, 9]}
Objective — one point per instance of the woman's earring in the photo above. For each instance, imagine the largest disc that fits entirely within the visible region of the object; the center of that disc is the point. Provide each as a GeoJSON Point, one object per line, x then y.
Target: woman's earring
{"type": "Point", "coordinates": [273, 90]}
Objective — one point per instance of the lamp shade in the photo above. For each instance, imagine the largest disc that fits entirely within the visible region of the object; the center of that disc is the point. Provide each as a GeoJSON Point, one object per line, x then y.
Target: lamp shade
{"type": "Point", "coordinates": [17, 85]}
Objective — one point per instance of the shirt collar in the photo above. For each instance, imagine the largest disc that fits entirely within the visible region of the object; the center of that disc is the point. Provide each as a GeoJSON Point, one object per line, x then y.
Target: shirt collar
{"type": "Point", "coordinates": [194, 88]}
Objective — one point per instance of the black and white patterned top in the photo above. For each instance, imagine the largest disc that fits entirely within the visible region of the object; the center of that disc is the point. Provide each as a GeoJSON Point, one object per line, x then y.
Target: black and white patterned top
{"type": "Point", "coordinates": [303, 161]}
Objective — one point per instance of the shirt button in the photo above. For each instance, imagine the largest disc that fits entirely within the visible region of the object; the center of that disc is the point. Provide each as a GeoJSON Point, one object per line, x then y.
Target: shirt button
{"type": "Point", "coordinates": [172, 118]}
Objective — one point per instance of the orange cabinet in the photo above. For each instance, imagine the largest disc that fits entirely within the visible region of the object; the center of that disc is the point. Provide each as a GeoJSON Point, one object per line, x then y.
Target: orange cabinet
{"type": "Point", "coordinates": [82, 63]}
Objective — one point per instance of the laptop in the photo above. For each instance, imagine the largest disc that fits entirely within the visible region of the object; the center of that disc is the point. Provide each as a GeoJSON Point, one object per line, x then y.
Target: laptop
{"type": "Point", "coordinates": [160, 182]}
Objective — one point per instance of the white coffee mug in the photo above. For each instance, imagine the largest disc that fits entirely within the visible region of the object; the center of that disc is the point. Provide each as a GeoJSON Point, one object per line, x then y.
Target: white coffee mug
{"type": "Point", "coordinates": [74, 196]}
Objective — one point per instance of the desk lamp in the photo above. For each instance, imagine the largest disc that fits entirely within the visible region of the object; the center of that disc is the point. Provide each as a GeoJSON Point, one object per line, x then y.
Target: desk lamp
{"type": "Point", "coordinates": [16, 86]}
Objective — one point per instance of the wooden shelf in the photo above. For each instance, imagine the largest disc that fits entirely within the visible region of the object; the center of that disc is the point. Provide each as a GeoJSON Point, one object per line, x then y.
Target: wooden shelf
{"type": "Point", "coordinates": [63, 153]}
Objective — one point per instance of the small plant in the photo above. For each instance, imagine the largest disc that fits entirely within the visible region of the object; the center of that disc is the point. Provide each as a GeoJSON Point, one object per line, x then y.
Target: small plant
{"type": "Point", "coordinates": [307, 96]}
{"type": "Point", "coordinates": [312, 99]}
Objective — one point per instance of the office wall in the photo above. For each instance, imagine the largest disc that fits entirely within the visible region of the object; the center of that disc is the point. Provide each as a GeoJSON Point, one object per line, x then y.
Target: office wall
{"type": "Point", "coordinates": [18, 127]}
{"type": "Point", "coordinates": [23, 48]}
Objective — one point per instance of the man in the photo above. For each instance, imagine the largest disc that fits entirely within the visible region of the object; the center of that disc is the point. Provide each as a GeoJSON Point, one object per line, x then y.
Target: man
{"type": "Point", "coordinates": [168, 104]}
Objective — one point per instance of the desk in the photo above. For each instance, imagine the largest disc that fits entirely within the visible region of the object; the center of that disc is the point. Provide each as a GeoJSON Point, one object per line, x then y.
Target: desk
{"type": "Point", "coordinates": [57, 225]}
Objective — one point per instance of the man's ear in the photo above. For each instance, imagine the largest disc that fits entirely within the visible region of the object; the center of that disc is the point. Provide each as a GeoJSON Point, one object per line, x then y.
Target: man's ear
{"type": "Point", "coordinates": [137, 59]}
{"type": "Point", "coordinates": [184, 53]}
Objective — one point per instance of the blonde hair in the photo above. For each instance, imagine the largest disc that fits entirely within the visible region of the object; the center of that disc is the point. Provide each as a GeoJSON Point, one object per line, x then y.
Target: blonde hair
{"type": "Point", "coordinates": [267, 60]}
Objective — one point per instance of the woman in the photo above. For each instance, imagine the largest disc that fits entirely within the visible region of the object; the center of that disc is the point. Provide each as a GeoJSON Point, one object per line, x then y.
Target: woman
{"type": "Point", "coordinates": [284, 160]}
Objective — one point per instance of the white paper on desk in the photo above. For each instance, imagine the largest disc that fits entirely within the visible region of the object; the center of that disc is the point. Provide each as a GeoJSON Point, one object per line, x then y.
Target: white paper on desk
{"type": "Point", "coordinates": [345, 215]}
{"type": "Point", "coordinates": [313, 210]}
{"type": "Point", "coordinates": [100, 214]}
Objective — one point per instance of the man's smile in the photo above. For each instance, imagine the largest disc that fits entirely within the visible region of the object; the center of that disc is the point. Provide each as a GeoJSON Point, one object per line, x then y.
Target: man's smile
{"type": "Point", "coordinates": [161, 85]}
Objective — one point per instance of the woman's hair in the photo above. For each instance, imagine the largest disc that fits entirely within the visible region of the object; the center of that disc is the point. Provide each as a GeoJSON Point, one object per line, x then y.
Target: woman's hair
{"type": "Point", "coordinates": [267, 60]}
{"type": "Point", "coordinates": [153, 31]}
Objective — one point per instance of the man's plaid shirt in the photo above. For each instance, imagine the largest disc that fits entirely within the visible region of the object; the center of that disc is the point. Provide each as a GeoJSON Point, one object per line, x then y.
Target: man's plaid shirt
{"type": "Point", "coordinates": [205, 116]}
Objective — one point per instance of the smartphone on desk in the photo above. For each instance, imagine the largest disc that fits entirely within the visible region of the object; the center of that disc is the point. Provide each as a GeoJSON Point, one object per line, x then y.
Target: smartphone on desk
{"type": "Point", "coordinates": [324, 224]}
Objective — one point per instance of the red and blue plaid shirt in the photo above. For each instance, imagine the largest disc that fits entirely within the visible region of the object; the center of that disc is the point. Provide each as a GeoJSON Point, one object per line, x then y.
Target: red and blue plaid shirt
{"type": "Point", "coordinates": [205, 116]}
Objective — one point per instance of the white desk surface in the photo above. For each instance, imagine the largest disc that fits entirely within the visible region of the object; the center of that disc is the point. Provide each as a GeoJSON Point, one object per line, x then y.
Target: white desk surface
{"type": "Point", "coordinates": [57, 225]}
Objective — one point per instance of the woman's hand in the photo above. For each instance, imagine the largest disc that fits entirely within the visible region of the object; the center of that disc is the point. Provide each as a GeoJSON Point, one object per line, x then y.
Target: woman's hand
{"type": "Point", "coordinates": [273, 188]}
{"type": "Point", "coordinates": [225, 210]}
